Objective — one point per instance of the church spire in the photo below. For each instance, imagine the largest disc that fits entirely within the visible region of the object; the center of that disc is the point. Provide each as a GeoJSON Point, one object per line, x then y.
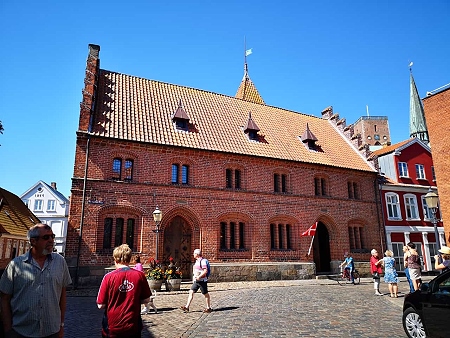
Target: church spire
{"type": "Point", "coordinates": [247, 90]}
{"type": "Point", "coordinates": [417, 123]}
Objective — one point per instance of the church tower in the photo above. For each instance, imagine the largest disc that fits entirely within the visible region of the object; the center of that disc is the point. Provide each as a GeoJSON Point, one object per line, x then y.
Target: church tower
{"type": "Point", "coordinates": [417, 123]}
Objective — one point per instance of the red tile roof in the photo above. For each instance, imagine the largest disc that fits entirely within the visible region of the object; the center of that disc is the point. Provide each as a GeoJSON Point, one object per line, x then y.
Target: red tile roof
{"type": "Point", "coordinates": [248, 92]}
{"type": "Point", "coordinates": [137, 109]}
{"type": "Point", "coordinates": [391, 148]}
{"type": "Point", "coordinates": [15, 217]}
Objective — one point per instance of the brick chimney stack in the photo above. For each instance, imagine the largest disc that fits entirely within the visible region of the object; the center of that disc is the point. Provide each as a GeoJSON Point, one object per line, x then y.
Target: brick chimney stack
{"type": "Point", "coordinates": [53, 185]}
{"type": "Point", "coordinates": [90, 87]}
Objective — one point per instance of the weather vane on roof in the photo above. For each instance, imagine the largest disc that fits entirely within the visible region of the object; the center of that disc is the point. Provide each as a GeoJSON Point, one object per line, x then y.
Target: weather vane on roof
{"type": "Point", "coordinates": [247, 52]}
{"type": "Point", "coordinates": [410, 65]}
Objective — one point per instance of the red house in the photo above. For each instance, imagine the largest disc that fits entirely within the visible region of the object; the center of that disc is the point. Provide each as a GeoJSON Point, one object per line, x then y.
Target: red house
{"type": "Point", "coordinates": [408, 173]}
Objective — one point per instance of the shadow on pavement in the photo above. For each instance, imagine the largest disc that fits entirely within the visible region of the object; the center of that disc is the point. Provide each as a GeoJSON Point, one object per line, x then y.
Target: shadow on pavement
{"type": "Point", "coordinates": [226, 308]}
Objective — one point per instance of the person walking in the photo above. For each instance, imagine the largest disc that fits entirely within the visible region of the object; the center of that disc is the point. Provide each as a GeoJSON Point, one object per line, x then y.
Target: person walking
{"type": "Point", "coordinates": [414, 265]}
{"type": "Point", "coordinates": [408, 277]}
{"type": "Point", "coordinates": [33, 289]}
{"type": "Point", "coordinates": [376, 270]}
{"type": "Point", "coordinates": [121, 294]}
{"type": "Point", "coordinates": [200, 275]}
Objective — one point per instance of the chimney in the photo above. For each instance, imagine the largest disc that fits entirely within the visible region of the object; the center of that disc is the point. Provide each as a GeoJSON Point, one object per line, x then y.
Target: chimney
{"type": "Point", "coordinates": [53, 185]}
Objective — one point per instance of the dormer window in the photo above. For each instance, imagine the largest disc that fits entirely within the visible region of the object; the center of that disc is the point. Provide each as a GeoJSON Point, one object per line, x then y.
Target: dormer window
{"type": "Point", "coordinates": [308, 139]}
{"type": "Point", "coordinates": [181, 118]}
{"type": "Point", "coordinates": [251, 128]}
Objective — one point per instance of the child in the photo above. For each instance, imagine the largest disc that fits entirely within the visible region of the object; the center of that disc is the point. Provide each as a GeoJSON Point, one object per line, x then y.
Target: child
{"type": "Point", "coordinates": [350, 265]}
{"type": "Point", "coordinates": [138, 266]}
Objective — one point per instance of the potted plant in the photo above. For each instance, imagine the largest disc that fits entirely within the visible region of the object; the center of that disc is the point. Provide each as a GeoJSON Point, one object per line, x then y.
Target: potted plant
{"type": "Point", "coordinates": [155, 275]}
{"type": "Point", "coordinates": [173, 276]}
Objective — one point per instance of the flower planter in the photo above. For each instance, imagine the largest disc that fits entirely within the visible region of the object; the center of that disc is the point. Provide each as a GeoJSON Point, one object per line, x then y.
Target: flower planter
{"type": "Point", "coordinates": [173, 284]}
{"type": "Point", "coordinates": [155, 284]}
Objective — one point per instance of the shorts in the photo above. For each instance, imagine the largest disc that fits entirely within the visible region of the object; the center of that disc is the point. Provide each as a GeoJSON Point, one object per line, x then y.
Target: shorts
{"type": "Point", "coordinates": [202, 285]}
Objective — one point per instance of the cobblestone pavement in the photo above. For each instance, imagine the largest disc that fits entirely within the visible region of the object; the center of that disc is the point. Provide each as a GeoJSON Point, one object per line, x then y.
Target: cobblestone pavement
{"type": "Point", "coordinates": [300, 308]}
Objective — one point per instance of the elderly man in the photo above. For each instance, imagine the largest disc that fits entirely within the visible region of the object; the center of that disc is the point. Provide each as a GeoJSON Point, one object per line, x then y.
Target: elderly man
{"type": "Point", "coordinates": [200, 276]}
{"type": "Point", "coordinates": [33, 289]}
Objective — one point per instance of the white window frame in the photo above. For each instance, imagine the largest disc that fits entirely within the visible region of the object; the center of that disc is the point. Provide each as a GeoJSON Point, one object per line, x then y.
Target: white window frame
{"type": "Point", "coordinates": [51, 205]}
{"type": "Point", "coordinates": [393, 205]}
{"type": "Point", "coordinates": [38, 205]}
{"type": "Point", "coordinates": [397, 249]}
{"type": "Point", "coordinates": [427, 214]}
{"type": "Point", "coordinates": [420, 172]}
{"type": "Point", "coordinates": [403, 169]}
{"type": "Point", "coordinates": [411, 207]}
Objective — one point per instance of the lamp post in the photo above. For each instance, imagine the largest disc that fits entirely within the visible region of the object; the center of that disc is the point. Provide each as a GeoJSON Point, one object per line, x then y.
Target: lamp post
{"type": "Point", "coordinates": [157, 215]}
{"type": "Point", "coordinates": [432, 199]}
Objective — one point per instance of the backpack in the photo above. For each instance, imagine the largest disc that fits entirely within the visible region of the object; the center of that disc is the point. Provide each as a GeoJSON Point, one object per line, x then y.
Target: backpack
{"type": "Point", "coordinates": [208, 267]}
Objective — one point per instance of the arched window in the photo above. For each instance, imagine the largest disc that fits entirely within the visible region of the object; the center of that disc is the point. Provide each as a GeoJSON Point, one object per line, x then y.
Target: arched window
{"type": "Point", "coordinates": [117, 169]}
{"type": "Point", "coordinates": [280, 236]}
{"type": "Point", "coordinates": [107, 234]}
{"type": "Point", "coordinates": [128, 170]}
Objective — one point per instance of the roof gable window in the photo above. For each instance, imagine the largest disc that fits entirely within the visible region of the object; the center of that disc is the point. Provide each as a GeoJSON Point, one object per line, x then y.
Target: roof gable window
{"type": "Point", "coordinates": [181, 118]}
{"type": "Point", "coordinates": [309, 139]}
{"type": "Point", "coordinates": [251, 128]}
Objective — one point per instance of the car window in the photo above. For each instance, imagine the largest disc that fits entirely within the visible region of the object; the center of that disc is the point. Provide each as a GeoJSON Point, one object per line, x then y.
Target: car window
{"type": "Point", "coordinates": [444, 285]}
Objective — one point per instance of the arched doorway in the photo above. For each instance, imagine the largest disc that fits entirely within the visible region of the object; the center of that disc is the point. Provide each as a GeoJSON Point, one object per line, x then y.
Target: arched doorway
{"type": "Point", "coordinates": [177, 244]}
{"type": "Point", "coordinates": [321, 249]}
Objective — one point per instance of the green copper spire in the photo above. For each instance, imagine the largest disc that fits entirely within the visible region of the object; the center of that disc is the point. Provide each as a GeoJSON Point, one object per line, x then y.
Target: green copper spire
{"type": "Point", "coordinates": [417, 123]}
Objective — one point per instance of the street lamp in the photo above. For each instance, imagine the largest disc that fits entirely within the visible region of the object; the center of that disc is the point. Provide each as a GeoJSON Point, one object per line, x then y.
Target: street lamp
{"type": "Point", "coordinates": [157, 215]}
{"type": "Point", "coordinates": [432, 199]}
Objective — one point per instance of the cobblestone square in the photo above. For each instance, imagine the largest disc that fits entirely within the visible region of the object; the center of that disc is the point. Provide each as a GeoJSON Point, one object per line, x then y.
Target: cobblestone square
{"type": "Point", "coordinates": [307, 308]}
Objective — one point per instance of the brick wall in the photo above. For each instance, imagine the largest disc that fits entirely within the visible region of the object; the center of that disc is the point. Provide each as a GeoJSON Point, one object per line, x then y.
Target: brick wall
{"type": "Point", "coordinates": [205, 202]}
{"type": "Point", "coordinates": [437, 110]}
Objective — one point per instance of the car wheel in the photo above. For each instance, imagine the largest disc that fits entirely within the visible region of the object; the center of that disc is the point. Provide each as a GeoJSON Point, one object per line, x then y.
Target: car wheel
{"type": "Point", "coordinates": [412, 324]}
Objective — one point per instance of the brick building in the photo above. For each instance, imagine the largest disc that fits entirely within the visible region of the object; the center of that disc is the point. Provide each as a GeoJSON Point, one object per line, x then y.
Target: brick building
{"type": "Point", "coordinates": [373, 130]}
{"type": "Point", "coordinates": [437, 110]}
{"type": "Point", "coordinates": [232, 175]}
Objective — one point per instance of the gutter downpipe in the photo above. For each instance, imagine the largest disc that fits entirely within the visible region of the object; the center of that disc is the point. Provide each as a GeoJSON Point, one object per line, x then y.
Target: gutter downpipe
{"type": "Point", "coordinates": [380, 202]}
{"type": "Point", "coordinates": [83, 207]}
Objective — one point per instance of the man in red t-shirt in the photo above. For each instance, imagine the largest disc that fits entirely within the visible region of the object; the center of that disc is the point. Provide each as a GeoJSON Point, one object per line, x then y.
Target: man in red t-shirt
{"type": "Point", "coordinates": [121, 293]}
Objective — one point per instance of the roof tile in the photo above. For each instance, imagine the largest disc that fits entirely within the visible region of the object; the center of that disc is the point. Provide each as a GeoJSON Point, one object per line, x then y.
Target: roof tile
{"type": "Point", "coordinates": [137, 109]}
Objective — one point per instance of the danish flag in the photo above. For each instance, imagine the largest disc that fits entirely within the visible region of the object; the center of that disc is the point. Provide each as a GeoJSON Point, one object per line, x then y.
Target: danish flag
{"type": "Point", "coordinates": [311, 231]}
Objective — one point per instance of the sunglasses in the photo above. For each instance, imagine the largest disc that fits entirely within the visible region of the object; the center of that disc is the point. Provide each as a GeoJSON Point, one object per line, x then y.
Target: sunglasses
{"type": "Point", "coordinates": [46, 237]}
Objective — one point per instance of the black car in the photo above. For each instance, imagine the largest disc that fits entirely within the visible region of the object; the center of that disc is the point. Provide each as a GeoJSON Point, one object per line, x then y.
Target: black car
{"type": "Point", "coordinates": [426, 312]}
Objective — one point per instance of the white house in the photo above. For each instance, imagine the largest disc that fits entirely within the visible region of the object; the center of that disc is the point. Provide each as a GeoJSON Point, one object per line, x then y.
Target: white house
{"type": "Point", "coordinates": [51, 207]}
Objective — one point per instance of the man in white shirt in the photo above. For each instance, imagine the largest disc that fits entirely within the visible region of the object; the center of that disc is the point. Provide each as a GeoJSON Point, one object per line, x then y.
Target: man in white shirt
{"type": "Point", "coordinates": [200, 273]}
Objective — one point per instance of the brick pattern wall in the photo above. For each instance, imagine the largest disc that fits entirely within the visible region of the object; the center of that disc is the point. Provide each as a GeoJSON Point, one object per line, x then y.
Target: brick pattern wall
{"type": "Point", "coordinates": [205, 202]}
{"type": "Point", "coordinates": [437, 110]}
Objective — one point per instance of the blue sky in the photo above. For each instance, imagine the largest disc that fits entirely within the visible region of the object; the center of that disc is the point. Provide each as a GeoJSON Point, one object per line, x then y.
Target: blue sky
{"type": "Point", "coordinates": [307, 55]}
